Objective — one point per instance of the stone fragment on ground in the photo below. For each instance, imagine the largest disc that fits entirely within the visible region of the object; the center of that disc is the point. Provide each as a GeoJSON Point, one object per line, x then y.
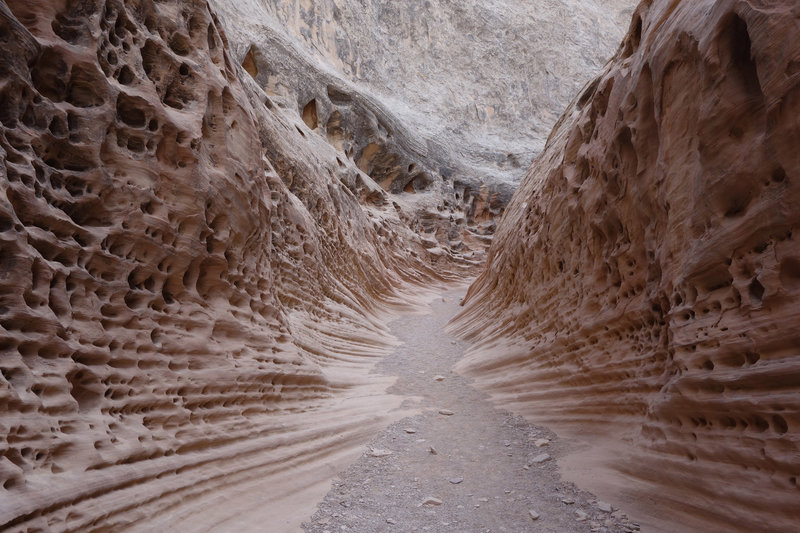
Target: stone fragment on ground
{"type": "Point", "coordinates": [377, 452]}
{"type": "Point", "coordinates": [605, 507]}
{"type": "Point", "coordinates": [541, 458]}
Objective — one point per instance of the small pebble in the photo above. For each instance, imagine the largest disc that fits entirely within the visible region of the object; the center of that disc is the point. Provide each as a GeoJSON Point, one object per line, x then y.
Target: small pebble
{"type": "Point", "coordinates": [430, 500]}
{"type": "Point", "coordinates": [376, 452]}
{"type": "Point", "coordinates": [534, 514]}
{"type": "Point", "coordinates": [605, 507]}
{"type": "Point", "coordinates": [446, 412]}
{"type": "Point", "coordinates": [456, 480]}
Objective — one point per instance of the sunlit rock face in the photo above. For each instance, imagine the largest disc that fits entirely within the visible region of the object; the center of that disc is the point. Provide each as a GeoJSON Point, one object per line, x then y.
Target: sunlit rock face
{"type": "Point", "coordinates": [489, 78]}
{"type": "Point", "coordinates": [189, 277]}
{"type": "Point", "coordinates": [643, 284]}
{"type": "Point", "coordinates": [443, 104]}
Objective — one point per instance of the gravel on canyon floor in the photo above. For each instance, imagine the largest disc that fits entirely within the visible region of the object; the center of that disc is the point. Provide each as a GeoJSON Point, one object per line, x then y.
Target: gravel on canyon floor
{"type": "Point", "coordinates": [460, 466]}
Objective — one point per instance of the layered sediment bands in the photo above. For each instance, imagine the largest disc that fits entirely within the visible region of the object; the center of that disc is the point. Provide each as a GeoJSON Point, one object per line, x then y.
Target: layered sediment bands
{"type": "Point", "coordinates": [643, 282]}
{"type": "Point", "coordinates": [183, 266]}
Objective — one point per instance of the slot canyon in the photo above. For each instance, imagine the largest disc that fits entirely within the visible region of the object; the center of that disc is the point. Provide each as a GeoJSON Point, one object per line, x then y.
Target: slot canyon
{"type": "Point", "coordinates": [352, 265]}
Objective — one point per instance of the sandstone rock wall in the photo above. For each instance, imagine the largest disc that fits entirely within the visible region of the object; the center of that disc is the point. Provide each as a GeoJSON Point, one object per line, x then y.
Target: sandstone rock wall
{"type": "Point", "coordinates": [435, 192]}
{"type": "Point", "coordinates": [487, 79]}
{"type": "Point", "coordinates": [183, 264]}
{"type": "Point", "coordinates": [493, 74]}
{"type": "Point", "coordinates": [442, 104]}
{"type": "Point", "coordinates": [643, 284]}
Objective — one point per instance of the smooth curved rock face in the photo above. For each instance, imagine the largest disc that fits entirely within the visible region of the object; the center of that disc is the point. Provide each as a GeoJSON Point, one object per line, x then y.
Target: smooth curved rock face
{"type": "Point", "coordinates": [188, 278]}
{"type": "Point", "coordinates": [643, 284]}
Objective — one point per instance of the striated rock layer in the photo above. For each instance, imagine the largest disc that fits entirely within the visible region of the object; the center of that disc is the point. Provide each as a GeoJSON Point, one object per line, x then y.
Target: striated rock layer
{"type": "Point", "coordinates": [643, 284]}
{"type": "Point", "coordinates": [189, 278]}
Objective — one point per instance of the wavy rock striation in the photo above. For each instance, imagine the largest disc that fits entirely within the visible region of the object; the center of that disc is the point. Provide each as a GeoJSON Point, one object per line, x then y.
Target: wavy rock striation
{"type": "Point", "coordinates": [643, 283]}
{"type": "Point", "coordinates": [190, 278]}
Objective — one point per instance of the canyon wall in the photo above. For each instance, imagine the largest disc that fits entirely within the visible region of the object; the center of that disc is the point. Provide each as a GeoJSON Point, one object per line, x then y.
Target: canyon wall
{"type": "Point", "coordinates": [484, 79]}
{"type": "Point", "coordinates": [444, 104]}
{"type": "Point", "coordinates": [190, 278]}
{"type": "Point", "coordinates": [201, 237]}
{"type": "Point", "coordinates": [643, 284]}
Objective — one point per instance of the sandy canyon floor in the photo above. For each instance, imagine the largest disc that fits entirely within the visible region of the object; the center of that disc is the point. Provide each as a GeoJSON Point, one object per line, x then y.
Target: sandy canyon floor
{"type": "Point", "coordinates": [460, 464]}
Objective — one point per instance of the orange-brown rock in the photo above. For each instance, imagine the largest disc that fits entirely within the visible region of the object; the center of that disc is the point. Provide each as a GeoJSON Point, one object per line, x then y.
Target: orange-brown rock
{"type": "Point", "coordinates": [188, 278]}
{"type": "Point", "coordinates": [643, 284]}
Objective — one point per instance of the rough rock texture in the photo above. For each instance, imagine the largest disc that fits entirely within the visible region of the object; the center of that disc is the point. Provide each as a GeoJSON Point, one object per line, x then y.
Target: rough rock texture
{"type": "Point", "coordinates": [490, 76]}
{"type": "Point", "coordinates": [643, 283]}
{"type": "Point", "coordinates": [182, 264]}
{"type": "Point", "coordinates": [441, 103]}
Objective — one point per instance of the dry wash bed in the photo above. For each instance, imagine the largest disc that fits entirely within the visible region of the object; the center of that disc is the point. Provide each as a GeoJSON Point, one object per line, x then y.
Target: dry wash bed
{"type": "Point", "coordinates": [478, 469]}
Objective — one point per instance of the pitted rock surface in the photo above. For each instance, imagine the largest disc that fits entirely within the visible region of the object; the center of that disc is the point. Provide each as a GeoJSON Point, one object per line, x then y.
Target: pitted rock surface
{"type": "Point", "coordinates": [642, 288]}
{"type": "Point", "coordinates": [191, 292]}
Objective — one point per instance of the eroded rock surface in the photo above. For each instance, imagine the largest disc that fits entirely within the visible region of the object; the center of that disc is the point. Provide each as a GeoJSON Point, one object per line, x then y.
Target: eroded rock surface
{"type": "Point", "coordinates": [643, 284]}
{"type": "Point", "coordinates": [492, 76]}
{"type": "Point", "coordinates": [182, 265]}
{"type": "Point", "coordinates": [442, 104]}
